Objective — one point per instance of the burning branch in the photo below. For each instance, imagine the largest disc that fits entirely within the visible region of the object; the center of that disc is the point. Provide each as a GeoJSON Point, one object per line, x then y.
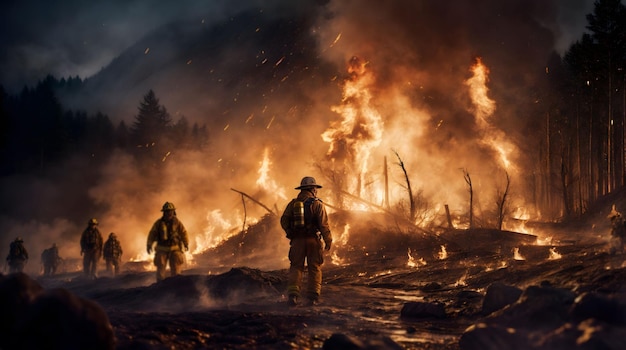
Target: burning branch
{"type": "Point", "coordinates": [471, 192]}
{"type": "Point", "coordinates": [254, 200]}
{"type": "Point", "coordinates": [383, 209]}
{"type": "Point", "coordinates": [408, 184]}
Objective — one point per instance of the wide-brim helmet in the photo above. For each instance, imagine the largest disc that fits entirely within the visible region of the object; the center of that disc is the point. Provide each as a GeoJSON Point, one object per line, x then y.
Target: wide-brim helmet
{"type": "Point", "coordinates": [308, 182]}
{"type": "Point", "coordinates": [168, 206]}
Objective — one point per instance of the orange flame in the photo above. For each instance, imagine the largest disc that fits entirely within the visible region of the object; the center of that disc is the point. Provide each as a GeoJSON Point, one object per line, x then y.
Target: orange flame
{"type": "Point", "coordinates": [360, 130]}
{"type": "Point", "coordinates": [264, 181]}
{"type": "Point", "coordinates": [484, 107]}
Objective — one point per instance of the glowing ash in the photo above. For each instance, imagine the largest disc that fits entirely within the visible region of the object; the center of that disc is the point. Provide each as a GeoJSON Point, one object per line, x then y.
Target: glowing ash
{"type": "Point", "coordinates": [517, 255]}
{"type": "Point", "coordinates": [554, 255]}
{"type": "Point", "coordinates": [336, 260]}
{"type": "Point", "coordinates": [443, 254]}
{"type": "Point", "coordinates": [412, 262]}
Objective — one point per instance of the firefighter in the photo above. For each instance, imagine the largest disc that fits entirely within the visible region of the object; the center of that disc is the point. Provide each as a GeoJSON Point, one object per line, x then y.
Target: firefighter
{"type": "Point", "coordinates": [91, 248]}
{"type": "Point", "coordinates": [171, 240]}
{"type": "Point", "coordinates": [306, 224]}
{"type": "Point", "coordinates": [18, 255]}
{"type": "Point", "coordinates": [112, 252]}
{"type": "Point", "coordinates": [51, 260]}
{"type": "Point", "coordinates": [618, 232]}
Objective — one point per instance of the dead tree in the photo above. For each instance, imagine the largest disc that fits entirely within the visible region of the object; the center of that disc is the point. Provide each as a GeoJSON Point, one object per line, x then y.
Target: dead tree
{"type": "Point", "coordinates": [245, 212]}
{"type": "Point", "coordinates": [386, 202]}
{"type": "Point", "coordinates": [408, 186]}
{"type": "Point", "coordinates": [336, 180]}
{"type": "Point", "coordinates": [466, 175]}
{"type": "Point", "coordinates": [501, 201]}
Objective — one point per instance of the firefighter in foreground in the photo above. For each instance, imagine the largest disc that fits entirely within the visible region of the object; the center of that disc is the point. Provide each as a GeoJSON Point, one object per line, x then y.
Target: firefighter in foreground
{"type": "Point", "coordinates": [306, 224]}
{"type": "Point", "coordinates": [112, 252]}
{"type": "Point", "coordinates": [51, 260]}
{"type": "Point", "coordinates": [91, 248]}
{"type": "Point", "coordinates": [18, 255]}
{"type": "Point", "coordinates": [171, 239]}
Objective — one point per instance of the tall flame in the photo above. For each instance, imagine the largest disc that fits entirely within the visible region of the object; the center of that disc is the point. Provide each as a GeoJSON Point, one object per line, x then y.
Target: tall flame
{"type": "Point", "coordinates": [484, 108]}
{"type": "Point", "coordinates": [360, 130]}
{"type": "Point", "coordinates": [265, 181]}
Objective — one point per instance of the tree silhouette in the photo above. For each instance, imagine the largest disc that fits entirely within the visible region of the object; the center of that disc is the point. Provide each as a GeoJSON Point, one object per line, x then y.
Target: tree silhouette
{"type": "Point", "coordinates": [152, 130]}
{"type": "Point", "coordinates": [152, 122]}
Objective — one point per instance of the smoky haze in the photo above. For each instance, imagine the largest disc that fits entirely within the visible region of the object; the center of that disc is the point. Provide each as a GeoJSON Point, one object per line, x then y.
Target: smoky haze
{"type": "Point", "coordinates": [270, 81]}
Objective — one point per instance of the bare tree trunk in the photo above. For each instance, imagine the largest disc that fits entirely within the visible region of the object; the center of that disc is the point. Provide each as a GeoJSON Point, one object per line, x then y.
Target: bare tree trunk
{"type": "Point", "coordinates": [386, 203]}
{"type": "Point", "coordinates": [408, 185]}
{"type": "Point", "coordinates": [245, 216]}
{"type": "Point", "coordinates": [471, 192]}
{"type": "Point", "coordinates": [450, 225]}
{"type": "Point", "coordinates": [501, 201]}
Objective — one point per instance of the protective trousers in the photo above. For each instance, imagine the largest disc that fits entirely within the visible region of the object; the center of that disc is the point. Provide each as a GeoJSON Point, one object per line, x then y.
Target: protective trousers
{"type": "Point", "coordinates": [113, 266]}
{"type": "Point", "coordinates": [90, 262]}
{"type": "Point", "coordinates": [309, 248]}
{"type": "Point", "coordinates": [175, 258]}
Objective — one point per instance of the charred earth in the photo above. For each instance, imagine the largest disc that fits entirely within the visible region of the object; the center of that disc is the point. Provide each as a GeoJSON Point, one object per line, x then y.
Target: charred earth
{"type": "Point", "coordinates": [383, 288]}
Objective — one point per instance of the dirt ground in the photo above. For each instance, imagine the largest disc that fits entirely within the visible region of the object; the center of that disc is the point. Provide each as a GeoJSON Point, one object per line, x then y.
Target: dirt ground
{"type": "Point", "coordinates": [242, 307]}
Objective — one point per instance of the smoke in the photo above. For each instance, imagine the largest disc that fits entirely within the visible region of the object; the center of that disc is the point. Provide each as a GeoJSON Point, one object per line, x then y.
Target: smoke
{"type": "Point", "coordinates": [267, 113]}
{"type": "Point", "coordinates": [421, 54]}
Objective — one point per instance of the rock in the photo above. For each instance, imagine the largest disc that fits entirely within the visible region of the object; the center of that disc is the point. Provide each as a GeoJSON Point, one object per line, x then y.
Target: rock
{"type": "Point", "coordinates": [499, 295]}
{"type": "Point", "coordinates": [17, 291]}
{"type": "Point", "coordinates": [423, 310]}
{"type": "Point", "coordinates": [34, 318]}
{"type": "Point", "coordinates": [600, 307]}
{"type": "Point", "coordinates": [492, 337]}
{"type": "Point", "coordinates": [57, 319]}
{"type": "Point", "coordinates": [340, 341]}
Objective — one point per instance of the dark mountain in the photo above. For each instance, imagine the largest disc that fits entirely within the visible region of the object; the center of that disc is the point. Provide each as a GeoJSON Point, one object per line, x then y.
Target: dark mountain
{"type": "Point", "coordinates": [251, 63]}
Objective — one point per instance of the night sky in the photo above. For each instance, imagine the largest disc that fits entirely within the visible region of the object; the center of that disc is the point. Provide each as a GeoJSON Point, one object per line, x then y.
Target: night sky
{"type": "Point", "coordinates": [69, 38]}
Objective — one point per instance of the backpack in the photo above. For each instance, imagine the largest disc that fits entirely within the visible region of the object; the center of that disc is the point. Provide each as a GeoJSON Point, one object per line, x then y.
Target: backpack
{"type": "Point", "coordinates": [16, 250]}
{"type": "Point", "coordinates": [298, 216]}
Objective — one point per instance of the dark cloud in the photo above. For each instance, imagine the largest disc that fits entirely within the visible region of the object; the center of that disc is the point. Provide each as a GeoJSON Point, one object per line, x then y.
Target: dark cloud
{"type": "Point", "coordinates": [69, 38]}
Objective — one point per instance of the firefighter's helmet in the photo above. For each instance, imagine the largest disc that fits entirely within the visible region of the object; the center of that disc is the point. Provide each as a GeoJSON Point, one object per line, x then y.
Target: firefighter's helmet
{"type": "Point", "coordinates": [92, 221]}
{"type": "Point", "coordinates": [308, 182]}
{"type": "Point", "coordinates": [168, 206]}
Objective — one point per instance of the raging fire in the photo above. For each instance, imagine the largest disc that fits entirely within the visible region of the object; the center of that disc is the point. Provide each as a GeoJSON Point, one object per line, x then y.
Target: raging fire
{"type": "Point", "coordinates": [484, 108]}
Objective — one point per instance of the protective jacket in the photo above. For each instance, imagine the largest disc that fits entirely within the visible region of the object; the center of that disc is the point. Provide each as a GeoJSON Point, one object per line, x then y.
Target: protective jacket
{"type": "Point", "coordinates": [91, 240]}
{"type": "Point", "coordinates": [315, 218]}
{"type": "Point", "coordinates": [168, 235]}
{"type": "Point", "coordinates": [17, 252]}
{"type": "Point", "coordinates": [112, 249]}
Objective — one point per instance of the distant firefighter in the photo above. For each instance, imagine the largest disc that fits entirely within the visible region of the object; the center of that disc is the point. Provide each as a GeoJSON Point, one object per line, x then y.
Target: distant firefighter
{"type": "Point", "coordinates": [618, 232]}
{"type": "Point", "coordinates": [91, 248]}
{"type": "Point", "coordinates": [171, 239]}
{"type": "Point", "coordinates": [18, 255]}
{"type": "Point", "coordinates": [51, 260]}
{"type": "Point", "coordinates": [306, 223]}
{"type": "Point", "coordinates": [112, 252]}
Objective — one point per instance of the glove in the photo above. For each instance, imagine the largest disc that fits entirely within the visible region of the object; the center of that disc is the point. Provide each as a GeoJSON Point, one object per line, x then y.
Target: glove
{"type": "Point", "coordinates": [149, 250]}
{"type": "Point", "coordinates": [327, 245]}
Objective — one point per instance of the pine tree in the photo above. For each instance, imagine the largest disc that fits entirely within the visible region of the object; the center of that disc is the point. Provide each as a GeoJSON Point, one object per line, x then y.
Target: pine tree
{"type": "Point", "coordinates": [152, 123]}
